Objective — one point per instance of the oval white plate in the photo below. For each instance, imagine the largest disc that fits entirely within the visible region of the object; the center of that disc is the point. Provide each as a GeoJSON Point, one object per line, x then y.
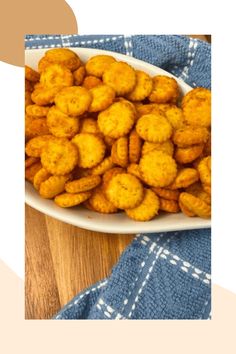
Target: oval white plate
{"type": "Point", "coordinates": [114, 223]}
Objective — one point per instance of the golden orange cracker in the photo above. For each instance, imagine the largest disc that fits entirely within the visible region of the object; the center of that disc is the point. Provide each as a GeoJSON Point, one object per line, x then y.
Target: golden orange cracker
{"type": "Point", "coordinates": [41, 176]}
{"type": "Point", "coordinates": [166, 193]}
{"type": "Point", "coordinates": [74, 100]}
{"type": "Point", "coordinates": [97, 64]}
{"type": "Point", "coordinates": [167, 147]}
{"type": "Point", "coordinates": [207, 188]}
{"type": "Point", "coordinates": [83, 184]}
{"type": "Point", "coordinates": [185, 177]}
{"type": "Point", "coordinates": [170, 206]}
{"type": "Point", "coordinates": [185, 210]}
{"type": "Point", "coordinates": [35, 127]}
{"type": "Point", "coordinates": [31, 75]}
{"type": "Point", "coordinates": [91, 82]}
{"type": "Point", "coordinates": [119, 152]}
{"type": "Point", "coordinates": [173, 114]}
{"type": "Point", "coordinates": [188, 154]}
{"type": "Point", "coordinates": [197, 190]}
{"type": "Point", "coordinates": [28, 100]}
{"type": "Point", "coordinates": [135, 147]}
{"type": "Point", "coordinates": [134, 170]}
{"type": "Point", "coordinates": [31, 171]}
{"type": "Point", "coordinates": [44, 96]}
{"type": "Point", "coordinates": [102, 97]}
{"type": "Point", "coordinates": [165, 90]}
{"type": "Point", "coordinates": [52, 186]}
{"type": "Point", "coordinates": [63, 56]}
{"type": "Point", "coordinates": [37, 111]}
{"type": "Point", "coordinates": [79, 75]}
{"type": "Point", "coordinates": [110, 173]}
{"type": "Point", "coordinates": [29, 86]}
{"type": "Point", "coordinates": [117, 120]}
{"type": "Point", "coordinates": [121, 77]}
{"type": "Point", "coordinates": [35, 145]}
{"type": "Point", "coordinates": [142, 88]}
{"type": "Point", "coordinates": [67, 200]}
{"type": "Point", "coordinates": [148, 208]}
{"type": "Point", "coordinates": [56, 75]}
{"type": "Point", "coordinates": [30, 161]}
{"type": "Point", "coordinates": [195, 205]}
{"type": "Point", "coordinates": [124, 191]}
{"type": "Point", "coordinates": [60, 124]}
{"type": "Point", "coordinates": [98, 202]}
{"type": "Point", "coordinates": [103, 166]}
{"type": "Point", "coordinates": [89, 125]}
{"type": "Point", "coordinates": [196, 106]}
{"type": "Point", "coordinates": [188, 135]}
{"type": "Point", "coordinates": [91, 149]}
{"type": "Point", "coordinates": [59, 156]}
{"type": "Point", "coordinates": [154, 128]}
{"type": "Point", "coordinates": [204, 169]}
{"type": "Point", "coordinates": [158, 169]}
{"type": "Point", "coordinates": [147, 109]}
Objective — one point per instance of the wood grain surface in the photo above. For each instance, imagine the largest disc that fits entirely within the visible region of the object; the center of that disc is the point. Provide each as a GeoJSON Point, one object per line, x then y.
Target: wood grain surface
{"type": "Point", "coordinates": [61, 260]}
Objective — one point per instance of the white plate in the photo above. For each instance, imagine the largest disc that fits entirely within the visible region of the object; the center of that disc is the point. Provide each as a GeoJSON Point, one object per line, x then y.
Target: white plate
{"type": "Point", "coordinates": [114, 223]}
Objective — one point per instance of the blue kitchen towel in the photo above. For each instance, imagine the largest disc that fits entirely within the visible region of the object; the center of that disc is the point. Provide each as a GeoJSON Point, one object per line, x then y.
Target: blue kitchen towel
{"type": "Point", "coordinates": [161, 275]}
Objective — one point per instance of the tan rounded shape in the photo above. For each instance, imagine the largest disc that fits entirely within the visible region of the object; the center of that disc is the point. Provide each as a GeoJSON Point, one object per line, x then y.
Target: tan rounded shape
{"type": "Point", "coordinates": [53, 186]}
{"type": "Point", "coordinates": [185, 210]}
{"type": "Point", "coordinates": [83, 184]}
{"type": "Point", "coordinates": [117, 120]}
{"type": "Point", "coordinates": [44, 96]}
{"type": "Point", "coordinates": [197, 190]}
{"type": "Point", "coordinates": [41, 176]}
{"type": "Point", "coordinates": [185, 177]}
{"type": "Point", "coordinates": [148, 208]}
{"type": "Point", "coordinates": [59, 156]}
{"type": "Point", "coordinates": [196, 106]}
{"type": "Point", "coordinates": [100, 203]}
{"type": "Point", "coordinates": [119, 152]}
{"type": "Point", "coordinates": [79, 75]}
{"type": "Point", "coordinates": [91, 149]}
{"type": "Point", "coordinates": [60, 124]}
{"type": "Point", "coordinates": [204, 169]}
{"type": "Point", "coordinates": [31, 75]}
{"type": "Point", "coordinates": [170, 206]}
{"type": "Point", "coordinates": [63, 56]}
{"type": "Point", "coordinates": [165, 90]}
{"type": "Point", "coordinates": [158, 169]}
{"type": "Point", "coordinates": [89, 125]}
{"type": "Point", "coordinates": [67, 200]}
{"type": "Point", "coordinates": [56, 75]}
{"type": "Point", "coordinates": [167, 147]}
{"type": "Point", "coordinates": [174, 115]}
{"type": "Point", "coordinates": [91, 81]}
{"type": "Point", "coordinates": [97, 64]}
{"type": "Point", "coordinates": [31, 171]}
{"type": "Point", "coordinates": [166, 193]}
{"type": "Point", "coordinates": [124, 191]}
{"type": "Point", "coordinates": [188, 136]}
{"type": "Point", "coordinates": [188, 154]}
{"type": "Point", "coordinates": [102, 98]}
{"type": "Point", "coordinates": [195, 205]}
{"type": "Point", "coordinates": [154, 128]}
{"type": "Point", "coordinates": [135, 147]}
{"type": "Point", "coordinates": [30, 161]}
{"type": "Point", "coordinates": [121, 77]}
{"type": "Point", "coordinates": [35, 145]}
{"type": "Point", "coordinates": [103, 166]}
{"type": "Point", "coordinates": [35, 127]}
{"type": "Point", "coordinates": [110, 173]}
{"type": "Point", "coordinates": [37, 111]}
{"type": "Point", "coordinates": [74, 100]}
{"type": "Point", "coordinates": [142, 88]}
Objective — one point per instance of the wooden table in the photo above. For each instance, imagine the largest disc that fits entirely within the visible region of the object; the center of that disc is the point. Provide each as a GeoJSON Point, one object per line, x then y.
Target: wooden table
{"type": "Point", "coordinates": [61, 260]}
